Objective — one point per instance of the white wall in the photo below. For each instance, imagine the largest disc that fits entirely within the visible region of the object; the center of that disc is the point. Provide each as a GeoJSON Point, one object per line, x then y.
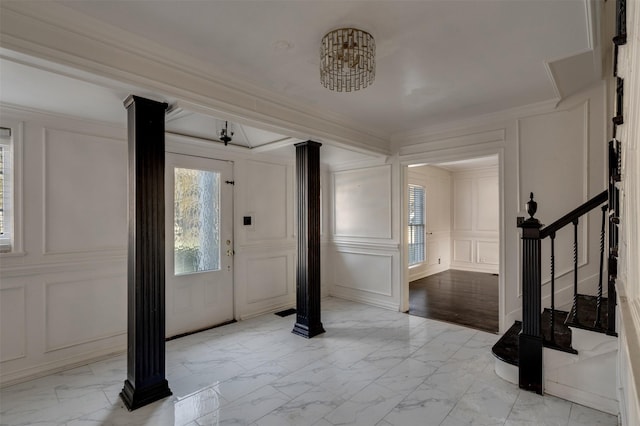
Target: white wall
{"type": "Point", "coordinates": [63, 294]}
{"type": "Point", "coordinates": [475, 209]}
{"type": "Point", "coordinates": [437, 184]}
{"type": "Point", "coordinates": [558, 152]}
{"type": "Point", "coordinates": [364, 253]}
{"type": "Point", "coordinates": [628, 284]}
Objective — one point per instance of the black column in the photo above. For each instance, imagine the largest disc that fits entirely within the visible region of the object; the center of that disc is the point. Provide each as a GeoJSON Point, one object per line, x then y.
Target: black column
{"type": "Point", "coordinates": [308, 272]}
{"type": "Point", "coordinates": [146, 381]}
{"type": "Point", "coordinates": [530, 340]}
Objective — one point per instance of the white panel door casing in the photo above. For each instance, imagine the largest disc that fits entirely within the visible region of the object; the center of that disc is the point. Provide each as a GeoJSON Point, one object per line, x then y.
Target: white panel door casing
{"type": "Point", "coordinates": [199, 245]}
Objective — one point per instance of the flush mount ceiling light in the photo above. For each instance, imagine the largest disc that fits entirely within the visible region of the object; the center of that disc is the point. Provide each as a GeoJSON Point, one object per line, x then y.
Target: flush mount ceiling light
{"type": "Point", "coordinates": [347, 60]}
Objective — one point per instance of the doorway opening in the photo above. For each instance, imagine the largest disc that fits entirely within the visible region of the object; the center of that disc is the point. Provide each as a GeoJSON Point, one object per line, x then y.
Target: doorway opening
{"type": "Point", "coordinates": [453, 266]}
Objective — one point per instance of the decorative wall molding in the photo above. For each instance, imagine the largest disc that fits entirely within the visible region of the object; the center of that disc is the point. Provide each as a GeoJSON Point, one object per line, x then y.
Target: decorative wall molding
{"type": "Point", "coordinates": [49, 135]}
{"type": "Point", "coordinates": [383, 275]}
{"type": "Point", "coordinates": [280, 285]}
{"type": "Point", "coordinates": [353, 192]}
{"type": "Point", "coordinates": [64, 264]}
{"type": "Point", "coordinates": [421, 145]}
{"type": "Point", "coordinates": [494, 119]}
{"type": "Point", "coordinates": [13, 321]}
{"type": "Point", "coordinates": [103, 283]}
{"type": "Point", "coordinates": [370, 246]}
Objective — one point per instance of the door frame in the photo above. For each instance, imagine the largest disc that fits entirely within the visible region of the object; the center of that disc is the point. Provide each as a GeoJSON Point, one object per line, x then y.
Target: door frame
{"type": "Point", "coordinates": [441, 156]}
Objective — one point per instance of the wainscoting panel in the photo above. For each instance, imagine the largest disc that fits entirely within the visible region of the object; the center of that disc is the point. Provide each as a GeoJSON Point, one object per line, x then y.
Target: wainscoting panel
{"type": "Point", "coordinates": [487, 252]}
{"type": "Point", "coordinates": [13, 323]}
{"type": "Point", "coordinates": [362, 203]}
{"type": "Point", "coordinates": [85, 192]}
{"type": "Point", "coordinates": [462, 251]}
{"type": "Point", "coordinates": [266, 201]}
{"type": "Point", "coordinates": [267, 278]}
{"type": "Point", "coordinates": [373, 271]}
{"type": "Point", "coordinates": [462, 202]}
{"type": "Point", "coordinates": [487, 204]}
{"type": "Point", "coordinates": [84, 310]}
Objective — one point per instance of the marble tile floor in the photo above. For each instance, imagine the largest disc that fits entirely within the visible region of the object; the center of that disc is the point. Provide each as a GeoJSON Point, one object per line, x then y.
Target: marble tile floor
{"type": "Point", "coordinates": [371, 367]}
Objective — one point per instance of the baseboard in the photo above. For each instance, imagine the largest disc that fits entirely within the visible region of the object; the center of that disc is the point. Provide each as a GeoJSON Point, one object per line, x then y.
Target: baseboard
{"type": "Point", "coordinates": [392, 306]}
{"type": "Point", "coordinates": [52, 367]}
{"type": "Point", "coordinates": [587, 399]}
{"type": "Point", "coordinates": [493, 269]}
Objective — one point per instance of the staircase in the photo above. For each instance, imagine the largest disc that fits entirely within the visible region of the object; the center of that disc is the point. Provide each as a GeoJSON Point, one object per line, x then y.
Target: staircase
{"type": "Point", "coordinates": [571, 354]}
{"type": "Point", "coordinates": [567, 353]}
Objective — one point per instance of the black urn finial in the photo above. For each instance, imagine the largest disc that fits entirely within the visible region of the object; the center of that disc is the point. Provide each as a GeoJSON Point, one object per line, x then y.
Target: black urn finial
{"type": "Point", "coordinates": [532, 206]}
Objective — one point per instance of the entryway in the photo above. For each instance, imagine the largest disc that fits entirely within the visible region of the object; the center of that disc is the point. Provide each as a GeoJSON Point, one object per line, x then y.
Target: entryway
{"type": "Point", "coordinates": [199, 244]}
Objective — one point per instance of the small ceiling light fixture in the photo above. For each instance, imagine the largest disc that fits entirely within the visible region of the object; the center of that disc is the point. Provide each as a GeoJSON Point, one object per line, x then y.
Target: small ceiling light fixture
{"type": "Point", "coordinates": [347, 60]}
{"type": "Point", "coordinates": [225, 134]}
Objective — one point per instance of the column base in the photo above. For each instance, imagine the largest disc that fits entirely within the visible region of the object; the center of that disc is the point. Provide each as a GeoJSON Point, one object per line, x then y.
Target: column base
{"type": "Point", "coordinates": [307, 331]}
{"type": "Point", "coordinates": [136, 398]}
{"type": "Point", "coordinates": [530, 363]}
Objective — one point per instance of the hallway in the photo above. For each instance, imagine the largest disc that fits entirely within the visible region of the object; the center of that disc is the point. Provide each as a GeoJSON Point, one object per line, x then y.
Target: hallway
{"type": "Point", "coordinates": [372, 367]}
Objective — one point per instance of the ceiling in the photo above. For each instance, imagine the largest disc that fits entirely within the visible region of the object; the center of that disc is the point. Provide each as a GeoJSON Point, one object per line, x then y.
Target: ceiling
{"type": "Point", "coordinates": [437, 60]}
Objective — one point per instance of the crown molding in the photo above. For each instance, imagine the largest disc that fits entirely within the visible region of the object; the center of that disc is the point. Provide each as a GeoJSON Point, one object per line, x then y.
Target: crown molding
{"type": "Point", "coordinates": [53, 32]}
{"type": "Point", "coordinates": [439, 131]}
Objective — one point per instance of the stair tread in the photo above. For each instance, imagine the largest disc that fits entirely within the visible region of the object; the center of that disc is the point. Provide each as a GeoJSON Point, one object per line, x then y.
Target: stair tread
{"type": "Point", "coordinates": [586, 318]}
{"type": "Point", "coordinates": [506, 348]}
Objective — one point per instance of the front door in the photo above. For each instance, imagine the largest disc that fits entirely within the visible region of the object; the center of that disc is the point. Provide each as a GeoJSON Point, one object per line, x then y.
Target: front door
{"type": "Point", "coordinates": [199, 245]}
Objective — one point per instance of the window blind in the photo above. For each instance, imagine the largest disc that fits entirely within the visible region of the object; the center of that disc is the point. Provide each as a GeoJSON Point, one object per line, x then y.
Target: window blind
{"type": "Point", "coordinates": [416, 232]}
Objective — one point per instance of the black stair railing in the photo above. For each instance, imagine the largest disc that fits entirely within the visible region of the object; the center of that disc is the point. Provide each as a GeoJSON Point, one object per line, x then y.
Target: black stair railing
{"type": "Point", "coordinates": [531, 340]}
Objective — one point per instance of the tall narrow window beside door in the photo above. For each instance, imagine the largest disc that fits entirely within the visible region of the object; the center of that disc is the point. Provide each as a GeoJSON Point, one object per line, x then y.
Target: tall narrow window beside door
{"type": "Point", "coordinates": [416, 231]}
{"type": "Point", "coordinates": [6, 190]}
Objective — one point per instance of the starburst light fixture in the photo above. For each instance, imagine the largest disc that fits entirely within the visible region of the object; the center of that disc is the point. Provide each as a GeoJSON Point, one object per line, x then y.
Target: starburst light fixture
{"type": "Point", "coordinates": [347, 60]}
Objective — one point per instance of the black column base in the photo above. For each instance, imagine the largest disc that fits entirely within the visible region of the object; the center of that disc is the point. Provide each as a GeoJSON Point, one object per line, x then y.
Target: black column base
{"type": "Point", "coordinates": [136, 398]}
{"type": "Point", "coordinates": [530, 363]}
{"type": "Point", "coordinates": [307, 331]}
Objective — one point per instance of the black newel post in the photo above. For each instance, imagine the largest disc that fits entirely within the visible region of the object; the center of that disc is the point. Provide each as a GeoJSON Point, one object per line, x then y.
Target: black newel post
{"type": "Point", "coordinates": [146, 381]}
{"type": "Point", "coordinates": [530, 340]}
{"type": "Point", "coordinates": [308, 271]}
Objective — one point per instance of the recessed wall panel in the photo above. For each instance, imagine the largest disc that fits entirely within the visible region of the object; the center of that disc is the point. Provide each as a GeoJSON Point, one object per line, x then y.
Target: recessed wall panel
{"type": "Point", "coordinates": [462, 251]}
{"type": "Point", "coordinates": [266, 278]}
{"type": "Point", "coordinates": [373, 272]}
{"type": "Point", "coordinates": [85, 192]}
{"type": "Point", "coordinates": [553, 161]}
{"type": "Point", "coordinates": [488, 203]}
{"type": "Point", "coordinates": [13, 328]}
{"type": "Point", "coordinates": [462, 204]}
{"type": "Point", "coordinates": [487, 252]}
{"type": "Point", "coordinates": [363, 202]}
{"type": "Point", "coordinates": [267, 200]}
{"type": "Point", "coordinates": [84, 310]}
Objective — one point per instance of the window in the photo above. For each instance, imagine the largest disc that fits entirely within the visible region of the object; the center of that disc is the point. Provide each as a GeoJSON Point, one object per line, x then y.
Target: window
{"type": "Point", "coordinates": [196, 221]}
{"type": "Point", "coordinates": [6, 190]}
{"type": "Point", "coordinates": [416, 235]}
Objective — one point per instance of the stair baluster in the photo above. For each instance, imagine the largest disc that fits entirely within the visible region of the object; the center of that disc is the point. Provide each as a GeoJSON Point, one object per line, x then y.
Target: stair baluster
{"type": "Point", "coordinates": [552, 333]}
{"type": "Point", "coordinates": [574, 308]}
{"type": "Point", "coordinates": [598, 322]}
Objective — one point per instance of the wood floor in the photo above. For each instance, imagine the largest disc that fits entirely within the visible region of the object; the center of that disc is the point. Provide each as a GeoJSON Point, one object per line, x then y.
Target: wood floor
{"type": "Point", "coordinates": [460, 297]}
